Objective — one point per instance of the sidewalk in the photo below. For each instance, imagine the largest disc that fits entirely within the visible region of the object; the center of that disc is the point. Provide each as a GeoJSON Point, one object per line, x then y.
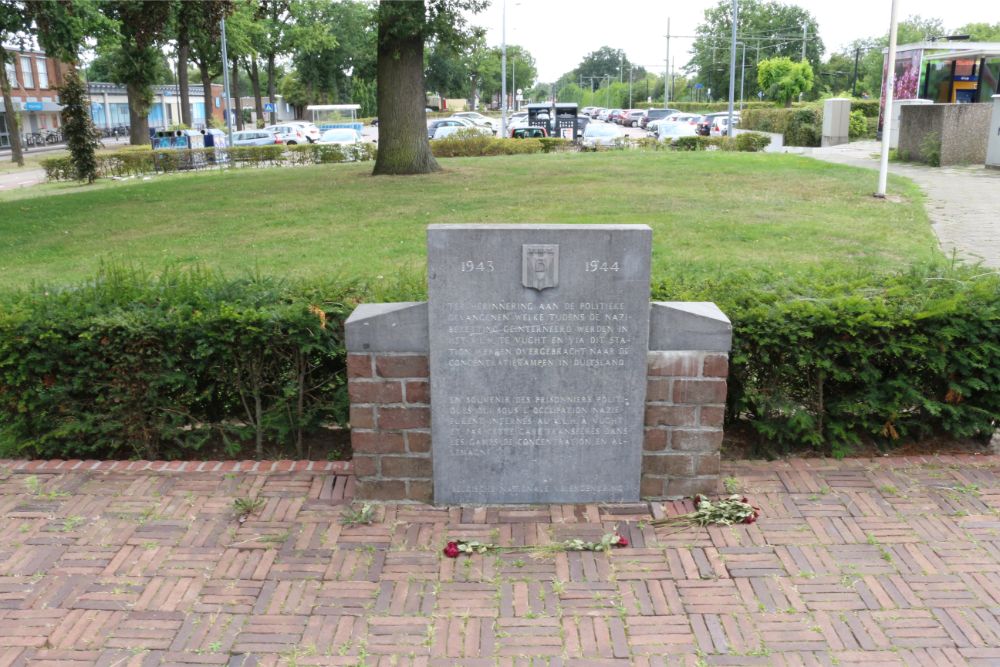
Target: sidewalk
{"type": "Point", "coordinates": [963, 203]}
{"type": "Point", "coordinates": [888, 561]}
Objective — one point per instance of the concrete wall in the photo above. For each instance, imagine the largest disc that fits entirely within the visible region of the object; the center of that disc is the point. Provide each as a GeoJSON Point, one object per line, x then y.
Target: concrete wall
{"type": "Point", "coordinates": [956, 132]}
{"type": "Point", "coordinates": [389, 388]}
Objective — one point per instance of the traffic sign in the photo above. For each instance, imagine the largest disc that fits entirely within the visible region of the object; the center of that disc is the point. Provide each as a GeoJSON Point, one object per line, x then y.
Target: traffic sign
{"type": "Point", "coordinates": [699, 85]}
{"type": "Point", "coordinates": [269, 107]}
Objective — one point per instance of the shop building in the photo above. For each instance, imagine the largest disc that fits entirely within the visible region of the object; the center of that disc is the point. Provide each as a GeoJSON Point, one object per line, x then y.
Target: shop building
{"type": "Point", "coordinates": [34, 79]}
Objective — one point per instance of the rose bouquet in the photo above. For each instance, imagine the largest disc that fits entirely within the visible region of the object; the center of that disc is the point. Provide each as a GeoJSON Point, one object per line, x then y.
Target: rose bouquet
{"type": "Point", "coordinates": [723, 512]}
{"type": "Point", "coordinates": [609, 541]}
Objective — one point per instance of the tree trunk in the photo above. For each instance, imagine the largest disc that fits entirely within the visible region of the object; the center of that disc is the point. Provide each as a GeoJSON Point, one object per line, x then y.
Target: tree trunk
{"type": "Point", "coordinates": [271, 92]}
{"type": "Point", "coordinates": [255, 84]}
{"type": "Point", "coordinates": [183, 49]}
{"type": "Point", "coordinates": [237, 100]}
{"type": "Point", "coordinates": [206, 84]}
{"type": "Point", "coordinates": [138, 114]}
{"type": "Point", "coordinates": [13, 131]}
{"type": "Point", "coordinates": [403, 147]}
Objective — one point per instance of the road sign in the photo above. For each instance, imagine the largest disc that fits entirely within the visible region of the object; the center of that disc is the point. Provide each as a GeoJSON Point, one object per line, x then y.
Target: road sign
{"type": "Point", "coordinates": [269, 107]}
{"type": "Point", "coordinates": [32, 106]}
{"type": "Point", "coordinates": [760, 94]}
{"type": "Point", "coordinates": [699, 86]}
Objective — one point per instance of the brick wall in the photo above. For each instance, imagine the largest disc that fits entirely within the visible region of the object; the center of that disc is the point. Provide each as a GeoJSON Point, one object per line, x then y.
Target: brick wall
{"type": "Point", "coordinates": [390, 426]}
{"type": "Point", "coordinates": [685, 406]}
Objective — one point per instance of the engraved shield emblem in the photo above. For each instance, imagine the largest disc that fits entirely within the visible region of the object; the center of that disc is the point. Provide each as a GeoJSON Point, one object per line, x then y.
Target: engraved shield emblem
{"type": "Point", "coordinates": [540, 265]}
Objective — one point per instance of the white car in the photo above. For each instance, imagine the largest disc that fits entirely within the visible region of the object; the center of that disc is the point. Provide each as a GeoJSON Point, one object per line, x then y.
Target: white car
{"type": "Point", "coordinates": [720, 125]}
{"type": "Point", "coordinates": [443, 131]}
{"type": "Point", "coordinates": [677, 125]}
{"type": "Point", "coordinates": [311, 131]}
{"type": "Point", "coordinates": [291, 134]}
{"type": "Point", "coordinates": [341, 136]}
{"type": "Point", "coordinates": [602, 135]}
{"type": "Point", "coordinates": [479, 119]}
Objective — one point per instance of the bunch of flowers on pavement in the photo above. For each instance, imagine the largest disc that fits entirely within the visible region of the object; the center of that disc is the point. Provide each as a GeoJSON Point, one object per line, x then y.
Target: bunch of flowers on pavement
{"type": "Point", "coordinates": [609, 541]}
{"type": "Point", "coordinates": [726, 511]}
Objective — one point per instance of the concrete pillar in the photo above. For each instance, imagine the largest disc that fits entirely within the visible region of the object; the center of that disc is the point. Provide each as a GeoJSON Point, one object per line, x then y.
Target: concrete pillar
{"type": "Point", "coordinates": [993, 145]}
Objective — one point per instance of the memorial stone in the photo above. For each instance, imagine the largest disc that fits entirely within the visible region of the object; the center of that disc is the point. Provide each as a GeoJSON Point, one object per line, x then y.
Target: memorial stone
{"type": "Point", "coordinates": [538, 355]}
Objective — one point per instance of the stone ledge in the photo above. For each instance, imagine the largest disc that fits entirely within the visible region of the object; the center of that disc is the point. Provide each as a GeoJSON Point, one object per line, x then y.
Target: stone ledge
{"type": "Point", "coordinates": [689, 326]}
{"type": "Point", "coordinates": [388, 327]}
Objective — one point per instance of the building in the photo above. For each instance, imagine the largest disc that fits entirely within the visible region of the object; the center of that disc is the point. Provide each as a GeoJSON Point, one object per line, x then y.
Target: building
{"type": "Point", "coordinates": [109, 106]}
{"type": "Point", "coordinates": [34, 78]}
{"type": "Point", "coordinates": [946, 71]}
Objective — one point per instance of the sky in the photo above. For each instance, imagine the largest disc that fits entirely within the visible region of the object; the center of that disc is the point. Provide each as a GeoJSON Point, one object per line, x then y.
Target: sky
{"type": "Point", "coordinates": [559, 33]}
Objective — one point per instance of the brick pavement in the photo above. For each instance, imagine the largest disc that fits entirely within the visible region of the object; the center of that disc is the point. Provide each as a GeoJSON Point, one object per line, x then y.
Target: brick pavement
{"type": "Point", "coordinates": [860, 562]}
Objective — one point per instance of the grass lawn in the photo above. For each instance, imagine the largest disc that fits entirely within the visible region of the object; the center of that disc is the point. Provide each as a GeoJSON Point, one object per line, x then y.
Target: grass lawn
{"type": "Point", "coordinates": [710, 213]}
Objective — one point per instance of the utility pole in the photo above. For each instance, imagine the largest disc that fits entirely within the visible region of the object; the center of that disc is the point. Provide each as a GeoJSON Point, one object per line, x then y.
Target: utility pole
{"type": "Point", "coordinates": [666, 71]}
{"type": "Point", "coordinates": [854, 86]}
{"type": "Point", "coordinates": [732, 65]}
{"type": "Point", "coordinates": [743, 72]}
{"type": "Point", "coordinates": [503, 73]}
{"type": "Point", "coordinates": [672, 76]}
{"type": "Point", "coordinates": [805, 33]}
{"type": "Point", "coordinates": [890, 80]}
{"type": "Point", "coordinates": [225, 83]}
{"type": "Point", "coordinates": [630, 86]}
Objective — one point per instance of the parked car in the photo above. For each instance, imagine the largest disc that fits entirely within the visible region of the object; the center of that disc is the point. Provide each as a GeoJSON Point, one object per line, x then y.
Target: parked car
{"type": "Point", "coordinates": [527, 132]}
{"type": "Point", "coordinates": [291, 134]}
{"type": "Point", "coordinates": [256, 138]}
{"type": "Point", "coordinates": [705, 125]}
{"type": "Point", "coordinates": [603, 114]}
{"type": "Point", "coordinates": [655, 114]}
{"type": "Point", "coordinates": [720, 125]}
{"type": "Point", "coordinates": [478, 119]}
{"type": "Point", "coordinates": [433, 125]}
{"type": "Point", "coordinates": [586, 111]}
{"type": "Point", "coordinates": [309, 129]}
{"type": "Point", "coordinates": [678, 125]}
{"type": "Point", "coordinates": [598, 135]}
{"type": "Point", "coordinates": [443, 131]}
{"type": "Point", "coordinates": [632, 117]}
{"type": "Point", "coordinates": [615, 115]}
{"type": "Point", "coordinates": [341, 136]}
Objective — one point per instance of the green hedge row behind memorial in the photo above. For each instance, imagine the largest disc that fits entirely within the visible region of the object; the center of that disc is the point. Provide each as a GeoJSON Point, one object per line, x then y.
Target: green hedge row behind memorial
{"type": "Point", "coordinates": [172, 367]}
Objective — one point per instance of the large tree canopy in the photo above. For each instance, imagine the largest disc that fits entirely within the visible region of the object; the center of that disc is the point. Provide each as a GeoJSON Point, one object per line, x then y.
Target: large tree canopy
{"type": "Point", "coordinates": [767, 28]}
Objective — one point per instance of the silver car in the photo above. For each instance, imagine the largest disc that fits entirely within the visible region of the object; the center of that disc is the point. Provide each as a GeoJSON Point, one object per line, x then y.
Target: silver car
{"type": "Point", "coordinates": [257, 138]}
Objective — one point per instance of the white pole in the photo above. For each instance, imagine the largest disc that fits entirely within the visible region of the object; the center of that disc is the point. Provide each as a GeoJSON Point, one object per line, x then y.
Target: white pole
{"type": "Point", "coordinates": [503, 74]}
{"type": "Point", "coordinates": [890, 81]}
{"type": "Point", "coordinates": [666, 71]}
{"type": "Point", "coordinates": [732, 67]}
{"type": "Point", "coordinates": [743, 74]}
{"type": "Point", "coordinates": [225, 84]}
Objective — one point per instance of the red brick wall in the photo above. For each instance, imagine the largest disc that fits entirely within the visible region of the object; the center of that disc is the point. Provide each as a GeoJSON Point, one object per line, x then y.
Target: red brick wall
{"type": "Point", "coordinates": [390, 426]}
{"type": "Point", "coordinates": [390, 422]}
{"type": "Point", "coordinates": [685, 406]}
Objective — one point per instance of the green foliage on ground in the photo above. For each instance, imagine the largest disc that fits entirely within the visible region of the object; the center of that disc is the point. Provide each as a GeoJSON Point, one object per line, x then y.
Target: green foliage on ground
{"type": "Point", "coordinates": [801, 126]}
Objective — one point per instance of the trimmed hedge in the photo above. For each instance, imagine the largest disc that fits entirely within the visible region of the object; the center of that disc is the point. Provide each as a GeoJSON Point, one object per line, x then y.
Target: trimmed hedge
{"type": "Point", "coordinates": [127, 365]}
{"type": "Point", "coordinates": [749, 142]}
{"type": "Point", "coordinates": [137, 161]}
{"type": "Point", "coordinates": [479, 145]}
{"type": "Point", "coordinates": [801, 126]}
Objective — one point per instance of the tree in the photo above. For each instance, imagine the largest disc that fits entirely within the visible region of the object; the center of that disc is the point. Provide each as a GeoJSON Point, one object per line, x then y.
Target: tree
{"type": "Point", "coordinates": [12, 23]}
{"type": "Point", "coordinates": [783, 79]}
{"type": "Point", "coordinates": [767, 27]}
{"type": "Point", "coordinates": [144, 25]}
{"type": "Point", "coordinates": [204, 30]}
{"type": "Point", "coordinates": [403, 28]}
{"type": "Point", "coordinates": [81, 136]}
{"type": "Point", "coordinates": [980, 32]}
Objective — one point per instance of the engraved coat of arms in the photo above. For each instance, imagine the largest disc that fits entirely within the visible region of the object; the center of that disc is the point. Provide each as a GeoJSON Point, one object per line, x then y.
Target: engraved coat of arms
{"type": "Point", "coordinates": [540, 265]}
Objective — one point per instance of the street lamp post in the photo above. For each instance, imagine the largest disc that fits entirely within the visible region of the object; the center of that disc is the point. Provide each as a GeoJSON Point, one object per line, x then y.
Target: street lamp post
{"type": "Point", "coordinates": [732, 67]}
{"type": "Point", "coordinates": [890, 81]}
{"type": "Point", "coordinates": [225, 83]}
{"type": "Point", "coordinates": [743, 72]}
{"type": "Point", "coordinates": [503, 73]}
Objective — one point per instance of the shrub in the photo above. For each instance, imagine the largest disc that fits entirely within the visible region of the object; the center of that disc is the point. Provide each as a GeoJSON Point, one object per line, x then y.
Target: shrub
{"type": "Point", "coordinates": [752, 142]}
{"type": "Point", "coordinates": [930, 149]}
{"type": "Point", "coordinates": [800, 126]}
{"type": "Point", "coordinates": [129, 366]}
{"type": "Point", "coordinates": [474, 144]}
{"type": "Point", "coordinates": [556, 144]}
{"type": "Point", "coordinates": [858, 124]}
{"type": "Point", "coordinates": [691, 143]}
{"type": "Point", "coordinates": [825, 362]}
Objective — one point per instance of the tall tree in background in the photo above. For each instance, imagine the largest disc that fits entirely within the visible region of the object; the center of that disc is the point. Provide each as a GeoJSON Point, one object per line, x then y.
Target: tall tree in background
{"type": "Point", "coordinates": [275, 17]}
{"type": "Point", "coordinates": [768, 28]}
{"type": "Point", "coordinates": [403, 28]}
{"type": "Point", "coordinates": [203, 30]}
{"type": "Point", "coordinates": [12, 23]}
{"type": "Point", "coordinates": [144, 25]}
{"type": "Point", "coordinates": [783, 79]}
{"type": "Point", "coordinates": [62, 26]}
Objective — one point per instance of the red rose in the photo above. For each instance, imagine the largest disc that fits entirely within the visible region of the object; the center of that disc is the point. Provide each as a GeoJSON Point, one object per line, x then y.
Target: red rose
{"type": "Point", "coordinates": [697, 500]}
{"type": "Point", "coordinates": [451, 550]}
{"type": "Point", "coordinates": [745, 501]}
{"type": "Point", "coordinates": [750, 519]}
{"type": "Point", "coordinates": [622, 542]}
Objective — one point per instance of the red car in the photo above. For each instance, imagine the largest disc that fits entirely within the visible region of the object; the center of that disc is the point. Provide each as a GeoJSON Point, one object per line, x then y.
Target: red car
{"type": "Point", "coordinates": [615, 116]}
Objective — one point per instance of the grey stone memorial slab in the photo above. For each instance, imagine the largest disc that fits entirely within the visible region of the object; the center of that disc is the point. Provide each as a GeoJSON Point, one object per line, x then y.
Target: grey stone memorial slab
{"type": "Point", "coordinates": [538, 342]}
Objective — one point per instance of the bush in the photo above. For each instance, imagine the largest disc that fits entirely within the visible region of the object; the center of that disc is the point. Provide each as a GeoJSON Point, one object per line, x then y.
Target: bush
{"type": "Point", "coordinates": [826, 362]}
{"type": "Point", "coordinates": [800, 126]}
{"type": "Point", "coordinates": [129, 366]}
{"type": "Point", "coordinates": [474, 144]}
{"type": "Point", "coordinates": [858, 124]}
{"type": "Point", "coordinates": [556, 144]}
{"type": "Point", "coordinates": [752, 142]}
{"type": "Point", "coordinates": [139, 160]}
{"type": "Point", "coordinates": [697, 143]}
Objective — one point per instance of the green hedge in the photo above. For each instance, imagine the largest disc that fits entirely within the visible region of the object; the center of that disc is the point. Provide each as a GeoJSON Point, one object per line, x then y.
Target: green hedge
{"type": "Point", "coordinates": [130, 366]}
{"type": "Point", "coordinates": [801, 126]}
{"type": "Point", "coordinates": [828, 362]}
{"type": "Point", "coordinates": [474, 144]}
{"type": "Point", "coordinates": [750, 142]}
{"type": "Point", "coordinates": [137, 162]}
